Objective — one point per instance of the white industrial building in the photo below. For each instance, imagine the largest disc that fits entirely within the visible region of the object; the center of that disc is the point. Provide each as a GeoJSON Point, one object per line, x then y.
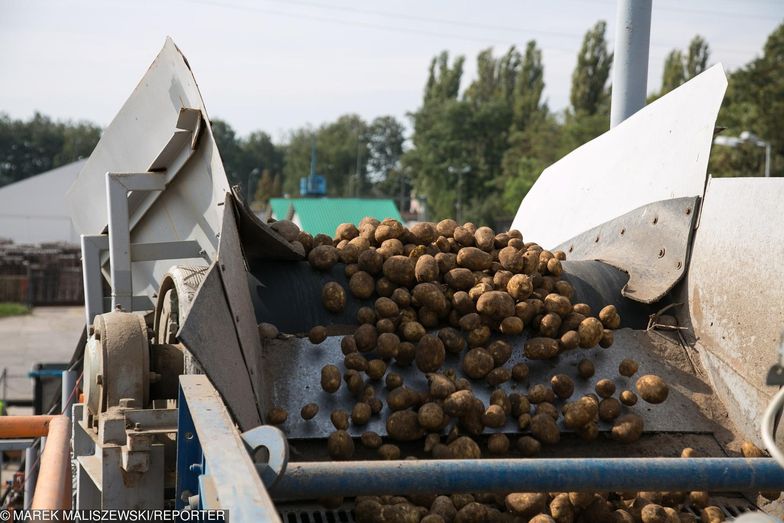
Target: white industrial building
{"type": "Point", "coordinates": [34, 210]}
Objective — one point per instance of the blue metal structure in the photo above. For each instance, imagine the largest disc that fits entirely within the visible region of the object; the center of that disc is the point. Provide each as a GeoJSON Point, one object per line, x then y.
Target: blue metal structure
{"type": "Point", "coordinates": [314, 184]}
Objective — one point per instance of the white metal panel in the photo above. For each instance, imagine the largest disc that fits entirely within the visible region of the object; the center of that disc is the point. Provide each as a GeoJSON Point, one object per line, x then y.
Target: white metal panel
{"type": "Point", "coordinates": [189, 208]}
{"type": "Point", "coordinates": [660, 152]}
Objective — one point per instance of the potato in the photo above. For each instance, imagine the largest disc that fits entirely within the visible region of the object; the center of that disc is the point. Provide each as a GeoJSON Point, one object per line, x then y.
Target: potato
{"type": "Point", "coordinates": [402, 425]}
{"type": "Point", "coordinates": [333, 297]}
{"type": "Point", "coordinates": [463, 236]}
{"type": "Point", "coordinates": [452, 340]}
{"type": "Point", "coordinates": [622, 516]}
{"type": "Point", "coordinates": [430, 353]}
{"type": "Point", "coordinates": [477, 363]}
{"type": "Point", "coordinates": [430, 416]}
{"type": "Point", "coordinates": [446, 261]}
{"type": "Point", "coordinates": [424, 232]}
{"type": "Point", "coordinates": [470, 321]}
{"type": "Point", "coordinates": [376, 369]}
{"type": "Point", "coordinates": [498, 443]}
{"type": "Point", "coordinates": [386, 308]}
{"type": "Point", "coordinates": [494, 417]}
{"type": "Point", "coordinates": [607, 339]}
{"type": "Point", "coordinates": [365, 337]}
{"type": "Point", "coordinates": [609, 409]}
{"type": "Point", "coordinates": [474, 259]}
{"type": "Point", "coordinates": [393, 381]}
{"type": "Point", "coordinates": [711, 515]}
{"type": "Point", "coordinates": [519, 404]}
{"type": "Point", "coordinates": [277, 416]}
{"type": "Point", "coordinates": [512, 259]}
{"type": "Point", "coordinates": [317, 334]}
{"type": "Point", "coordinates": [360, 414]}
{"type": "Point", "coordinates": [554, 267]}
{"type": "Point", "coordinates": [541, 348]}
{"type": "Point", "coordinates": [498, 376]}
{"type": "Point", "coordinates": [355, 361]}
{"type": "Point", "coordinates": [582, 500]}
{"type": "Point", "coordinates": [590, 332]}
{"type": "Point", "coordinates": [526, 504]}
{"type": "Point", "coordinates": [588, 432]}
{"type": "Point", "coordinates": [387, 345]}
{"type": "Point", "coordinates": [388, 451]}
{"type": "Point", "coordinates": [385, 287]}
{"type": "Point", "coordinates": [547, 408]}
{"type": "Point", "coordinates": [426, 269]}
{"type": "Point", "coordinates": [446, 227]}
{"type": "Point", "coordinates": [354, 382]}
{"type": "Point", "coordinates": [750, 450]}
{"type": "Point", "coordinates": [699, 498]}
{"type": "Point", "coordinates": [652, 388]}
{"type": "Point", "coordinates": [387, 229]}
{"type": "Point", "coordinates": [401, 398]}
{"type": "Point", "coordinates": [458, 403]}
{"type": "Point", "coordinates": [501, 280]}
{"type": "Point", "coordinates": [562, 385]}
{"type": "Point", "coordinates": [440, 386]}
{"type": "Point", "coordinates": [484, 238]}
{"type": "Point", "coordinates": [609, 317]}
{"type": "Point", "coordinates": [528, 446]}
{"type": "Point", "coordinates": [569, 340]}
{"type": "Point", "coordinates": [340, 445]}
{"type": "Point", "coordinates": [520, 372]}
{"type": "Point", "coordinates": [571, 322]}
{"type": "Point", "coordinates": [653, 513]}
{"type": "Point", "coordinates": [339, 419]}
{"type": "Point", "coordinates": [605, 388]}
{"type": "Point", "coordinates": [330, 378]}
{"type": "Point", "coordinates": [561, 508]}
{"type": "Point", "coordinates": [370, 261]}
{"type": "Point", "coordinates": [539, 393]}
{"type": "Point", "coordinates": [346, 231]}
{"type": "Point", "coordinates": [405, 354]}
{"type": "Point", "coordinates": [323, 257]}
{"type": "Point", "coordinates": [496, 305]}
{"type": "Point", "coordinates": [459, 279]}
{"type": "Point", "coordinates": [348, 254]}
{"type": "Point", "coordinates": [512, 326]}
{"type": "Point", "coordinates": [322, 239]}
{"type": "Point", "coordinates": [465, 448]}
{"type": "Point", "coordinates": [267, 331]}
{"type": "Point", "coordinates": [400, 270]}
{"type": "Point", "coordinates": [390, 247]}
{"type": "Point", "coordinates": [412, 331]}
{"type": "Point", "coordinates": [585, 369]}
{"type": "Point", "coordinates": [580, 413]}
{"type": "Point", "coordinates": [544, 429]}
{"type": "Point", "coordinates": [557, 304]}
{"type": "Point", "coordinates": [371, 440]}
{"type": "Point", "coordinates": [549, 325]}
{"type": "Point", "coordinates": [402, 297]}
{"type": "Point", "coordinates": [430, 295]}
{"type": "Point", "coordinates": [369, 510]}
{"type": "Point", "coordinates": [480, 288]}
{"type": "Point", "coordinates": [385, 325]}
{"type": "Point", "coordinates": [628, 428]}
{"type": "Point", "coordinates": [520, 287]}
{"type": "Point", "coordinates": [628, 367]}
{"type": "Point", "coordinates": [366, 315]}
{"type": "Point", "coordinates": [309, 411]}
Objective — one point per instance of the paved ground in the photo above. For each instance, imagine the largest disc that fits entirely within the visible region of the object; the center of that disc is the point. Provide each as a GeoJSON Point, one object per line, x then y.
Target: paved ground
{"type": "Point", "coordinates": [47, 335]}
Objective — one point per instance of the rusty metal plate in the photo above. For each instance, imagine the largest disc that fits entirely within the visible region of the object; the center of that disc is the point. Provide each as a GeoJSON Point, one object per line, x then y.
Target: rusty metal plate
{"type": "Point", "coordinates": [650, 243]}
{"type": "Point", "coordinates": [293, 368]}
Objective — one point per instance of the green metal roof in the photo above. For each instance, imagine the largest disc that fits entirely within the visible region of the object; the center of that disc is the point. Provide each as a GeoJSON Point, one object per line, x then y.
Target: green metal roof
{"type": "Point", "coordinates": [323, 215]}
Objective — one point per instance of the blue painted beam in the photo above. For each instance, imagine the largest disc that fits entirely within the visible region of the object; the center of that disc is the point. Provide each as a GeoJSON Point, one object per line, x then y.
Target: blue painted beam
{"type": "Point", "coordinates": [310, 480]}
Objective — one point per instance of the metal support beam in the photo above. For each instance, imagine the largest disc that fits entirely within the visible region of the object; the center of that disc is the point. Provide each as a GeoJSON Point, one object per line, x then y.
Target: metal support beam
{"type": "Point", "coordinates": [630, 63]}
{"type": "Point", "coordinates": [118, 185]}
{"type": "Point", "coordinates": [68, 392]}
{"type": "Point", "coordinates": [92, 246]}
{"type": "Point", "coordinates": [314, 480]}
{"type": "Point", "coordinates": [214, 469]}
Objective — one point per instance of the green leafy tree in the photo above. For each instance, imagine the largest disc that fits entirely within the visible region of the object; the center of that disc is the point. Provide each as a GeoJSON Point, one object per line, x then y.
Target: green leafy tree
{"type": "Point", "coordinates": [697, 59]}
{"type": "Point", "coordinates": [591, 73]}
{"type": "Point", "coordinates": [680, 67]}
{"type": "Point", "coordinates": [755, 103]}
{"type": "Point", "coordinates": [37, 145]}
{"type": "Point", "coordinates": [674, 73]}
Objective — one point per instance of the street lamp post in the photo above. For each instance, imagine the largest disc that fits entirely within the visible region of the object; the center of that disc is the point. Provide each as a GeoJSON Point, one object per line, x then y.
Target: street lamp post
{"type": "Point", "coordinates": [460, 171]}
{"type": "Point", "coordinates": [747, 137]}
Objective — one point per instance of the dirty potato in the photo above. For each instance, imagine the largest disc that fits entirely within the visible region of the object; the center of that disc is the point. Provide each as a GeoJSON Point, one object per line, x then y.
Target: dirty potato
{"type": "Point", "coordinates": [652, 388]}
{"type": "Point", "coordinates": [520, 287]}
{"type": "Point", "coordinates": [317, 334]}
{"type": "Point", "coordinates": [526, 504]}
{"type": "Point", "coordinates": [541, 348]}
{"type": "Point", "coordinates": [402, 425]}
{"type": "Point", "coordinates": [430, 353]}
{"type": "Point", "coordinates": [477, 363]}
{"type": "Point", "coordinates": [330, 378]}
{"type": "Point", "coordinates": [512, 326]}
{"type": "Point", "coordinates": [528, 446]}
{"type": "Point", "coordinates": [333, 297]}
{"type": "Point", "coordinates": [520, 372]}
{"type": "Point", "coordinates": [360, 414]}
{"type": "Point", "coordinates": [277, 416]}
{"type": "Point", "coordinates": [590, 332]}
{"type": "Point", "coordinates": [400, 270]}
{"type": "Point", "coordinates": [544, 429]}
{"type": "Point", "coordinates": [465, 448]}
{"type": "Point", "coordinates": [609, 409]}
{"type": "Point", "coordinates": [474, 259]}
{"type": "Point", "coordinates": [585, 368]}
{"type": "Point", "coordinates": [389, 452]}
{"type": "Point", "coordinates": [605, 388]}
{"type": "Point", "coordinates": [562, 385]}
{"type": "Point", "coordinates": [323, 257]}
{"type": "Point", "coordinates": [430, 416]}
{"type": "Point", "coordinates": [628, 367]}
{"type": "Point", "coordinates": [498, 444]}
{"type": "Point", "coordinates": [371, 440]}
{"type": "Point", "coordinates": [309, 411]}
{"type": "Point", "coordinates": [340, 445]}
{"type": "Point", "coordinates": [628, 428]}
{"type": "Point", "coordinates": [609, 317]}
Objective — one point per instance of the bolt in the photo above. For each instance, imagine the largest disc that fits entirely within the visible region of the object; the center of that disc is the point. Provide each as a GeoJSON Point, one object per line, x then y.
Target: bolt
{"type": "Point", "coordinates": [137, 426]}
{"type": "Point", "coordinates": [195, 468]}
{"type": "Point", "coordinates": [99, 379]}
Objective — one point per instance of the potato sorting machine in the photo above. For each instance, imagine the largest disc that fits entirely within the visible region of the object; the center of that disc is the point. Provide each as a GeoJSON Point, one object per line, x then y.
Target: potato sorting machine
{"type": "Point", "coordinates": [177, 381]}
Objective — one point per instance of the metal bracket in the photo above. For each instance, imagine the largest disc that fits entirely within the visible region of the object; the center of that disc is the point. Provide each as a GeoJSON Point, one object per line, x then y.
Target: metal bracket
{"type": "Point", "coordinates": [274, 440]}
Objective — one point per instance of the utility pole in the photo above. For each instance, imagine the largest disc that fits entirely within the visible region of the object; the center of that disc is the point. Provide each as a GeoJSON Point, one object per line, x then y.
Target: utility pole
{"type": "Point", "coordinates": [630, 59]}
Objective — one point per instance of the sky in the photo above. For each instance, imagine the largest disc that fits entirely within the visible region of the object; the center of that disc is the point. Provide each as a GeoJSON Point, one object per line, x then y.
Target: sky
{"type": "Point", "coordinates": [276, 65]}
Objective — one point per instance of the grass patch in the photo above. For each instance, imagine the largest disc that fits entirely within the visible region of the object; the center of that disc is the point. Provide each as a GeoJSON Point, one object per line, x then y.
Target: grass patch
{"type": "Point", "coordinates": [12, 309]}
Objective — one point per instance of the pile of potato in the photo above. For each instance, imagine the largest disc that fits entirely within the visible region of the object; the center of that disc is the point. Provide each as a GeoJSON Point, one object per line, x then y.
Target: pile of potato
{"type": "Point", "coordinates": [461, 289]}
